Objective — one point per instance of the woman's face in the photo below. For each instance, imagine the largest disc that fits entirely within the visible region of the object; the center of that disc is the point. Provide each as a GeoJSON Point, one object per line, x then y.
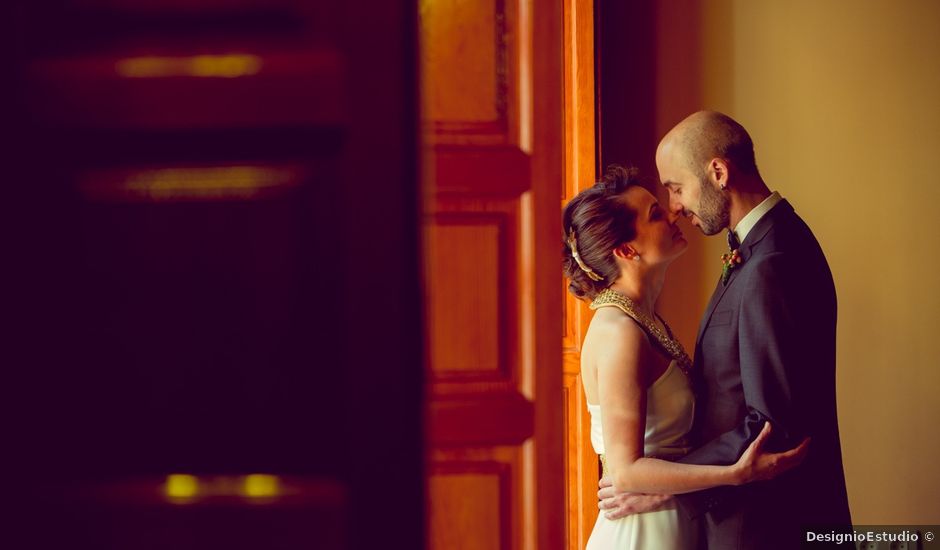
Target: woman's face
{"type": "Point", "coordinates": [658, 238]}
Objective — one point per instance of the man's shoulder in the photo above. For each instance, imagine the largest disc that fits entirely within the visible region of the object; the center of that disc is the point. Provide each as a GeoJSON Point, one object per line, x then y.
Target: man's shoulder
{"type": "Point", "coordinates": [789, 256]}
{"type": "Point", "coordinates": [787, 233]}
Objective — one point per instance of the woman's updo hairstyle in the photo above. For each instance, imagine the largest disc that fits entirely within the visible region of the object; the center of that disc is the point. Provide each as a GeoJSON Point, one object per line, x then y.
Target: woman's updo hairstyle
{"type": "Point", "coordinates": [595, 222]}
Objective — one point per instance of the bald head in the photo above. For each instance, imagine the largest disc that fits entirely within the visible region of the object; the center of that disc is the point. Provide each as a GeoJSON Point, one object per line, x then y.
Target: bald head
{"type": "Point", "coordinates": [705, 135]}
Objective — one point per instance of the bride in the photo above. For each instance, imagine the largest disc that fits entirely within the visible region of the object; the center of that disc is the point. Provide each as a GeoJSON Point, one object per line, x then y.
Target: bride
{"type": "Point", "coordinates": [618, 243]}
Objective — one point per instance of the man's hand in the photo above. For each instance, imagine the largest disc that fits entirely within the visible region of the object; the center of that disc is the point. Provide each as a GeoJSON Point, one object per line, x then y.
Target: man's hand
{"type": "Point", "coordinates": [616, 505]}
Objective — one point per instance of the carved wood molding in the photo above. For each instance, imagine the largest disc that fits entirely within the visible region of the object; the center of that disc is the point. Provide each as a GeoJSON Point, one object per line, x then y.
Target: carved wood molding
{"type": "Point", "coordinates": [484, 419]}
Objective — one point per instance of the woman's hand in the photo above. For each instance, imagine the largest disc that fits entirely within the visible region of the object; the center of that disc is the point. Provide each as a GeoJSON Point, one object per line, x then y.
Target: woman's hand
{"type": "Point", "coordinates": [758, 465]}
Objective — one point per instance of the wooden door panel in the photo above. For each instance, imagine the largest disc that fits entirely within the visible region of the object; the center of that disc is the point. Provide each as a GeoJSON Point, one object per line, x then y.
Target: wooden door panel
{"type": "Point", "coordinates": [470, 498]}
{"type": "Point", "coordinates": [157, 6]}
{"type": "Point", "coordinates": [465, 67]}
{"type": "Point", "coordinates": [480, 171]}
{"type": "Point", "coordinates": [470, 272]}
{"type": "Point", "coordinates": [492, 428]}
{"type": "Point", "coordinates": [492, 418]}
{"type": "Point", "coordinates": [467, 510]}
{"type": "Point", "coordinates": [468, 345]}
{"type": "Point", "coordinates": [184, 89]}
{"type": "Point", "coordinates": [472, 291]}
{"type": "Point", "coordinates": [191, 182]}
{"type": "Point", "coordinates": [476, 72]}
{"type": "Point", "coordinates": [205, 63]}
{"type": "Point", "coordinates": [479, 405]}
{"type": "Point", "coordinates": [581, 463]}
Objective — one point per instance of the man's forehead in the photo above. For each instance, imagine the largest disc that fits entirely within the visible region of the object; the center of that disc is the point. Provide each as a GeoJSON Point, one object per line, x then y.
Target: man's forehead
{"type": "Point", "coordinates": [668, 145]}
{"type": "Point", "coordinates": [667, 158]}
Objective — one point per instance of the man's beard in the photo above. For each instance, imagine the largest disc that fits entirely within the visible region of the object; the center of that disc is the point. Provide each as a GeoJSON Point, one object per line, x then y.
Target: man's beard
{"type": "Point", "coordinates": [714, 209]}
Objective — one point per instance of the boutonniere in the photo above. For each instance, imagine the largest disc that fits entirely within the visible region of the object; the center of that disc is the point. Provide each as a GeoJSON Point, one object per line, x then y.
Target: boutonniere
{"type": "Point", "coordinates": [729, 262]}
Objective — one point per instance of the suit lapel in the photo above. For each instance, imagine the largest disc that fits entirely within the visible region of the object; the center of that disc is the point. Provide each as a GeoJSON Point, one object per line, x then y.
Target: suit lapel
{"type": "Point", "coordinates": [753, 237]}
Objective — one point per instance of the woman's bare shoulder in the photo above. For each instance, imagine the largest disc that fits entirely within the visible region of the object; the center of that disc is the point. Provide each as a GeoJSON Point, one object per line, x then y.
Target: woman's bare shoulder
{"type": "Point", "coordinates": [615, 330]}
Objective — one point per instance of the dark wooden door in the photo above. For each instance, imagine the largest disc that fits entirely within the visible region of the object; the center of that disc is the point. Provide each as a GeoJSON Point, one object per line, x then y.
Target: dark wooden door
{"type": "Point", "coordinates": [215, 275]}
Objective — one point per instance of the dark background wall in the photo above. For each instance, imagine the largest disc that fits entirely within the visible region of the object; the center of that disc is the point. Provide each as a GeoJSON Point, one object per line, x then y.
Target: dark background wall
{"type": "Point", "coordinates": [627, 83]}
{"type": "Point", "coordinates": [198, 329]}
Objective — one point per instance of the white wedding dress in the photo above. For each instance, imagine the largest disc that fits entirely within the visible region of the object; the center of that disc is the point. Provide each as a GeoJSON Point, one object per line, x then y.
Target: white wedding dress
{"type": "Point", "coordinates": [670, 408]}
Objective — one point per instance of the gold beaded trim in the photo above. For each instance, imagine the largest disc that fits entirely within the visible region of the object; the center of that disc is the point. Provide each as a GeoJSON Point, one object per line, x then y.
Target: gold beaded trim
{"type": "Point", "coordinates": [666, 342]}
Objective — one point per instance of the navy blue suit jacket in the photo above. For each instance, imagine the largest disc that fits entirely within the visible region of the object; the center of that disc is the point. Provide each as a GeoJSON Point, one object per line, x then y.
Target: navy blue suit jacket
{"type": "Point", "coordinates": [766, 350]}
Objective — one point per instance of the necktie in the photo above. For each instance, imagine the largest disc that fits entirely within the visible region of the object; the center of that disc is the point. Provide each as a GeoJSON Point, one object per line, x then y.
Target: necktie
{"type": "Point", "coordinates": [733, 243]}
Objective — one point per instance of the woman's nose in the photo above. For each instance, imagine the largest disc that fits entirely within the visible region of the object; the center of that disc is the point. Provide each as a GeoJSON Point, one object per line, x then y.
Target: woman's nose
{"type": "Point", "coordinates": [673, 217]}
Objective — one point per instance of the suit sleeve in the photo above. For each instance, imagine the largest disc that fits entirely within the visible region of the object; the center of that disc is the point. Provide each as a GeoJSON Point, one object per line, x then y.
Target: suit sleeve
{"type": "Point", "coordinates": [771, 348]}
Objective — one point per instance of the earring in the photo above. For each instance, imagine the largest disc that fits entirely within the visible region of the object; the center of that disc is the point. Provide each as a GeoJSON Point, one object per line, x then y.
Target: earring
{"type": "Point", "coordinates": [637, 257]}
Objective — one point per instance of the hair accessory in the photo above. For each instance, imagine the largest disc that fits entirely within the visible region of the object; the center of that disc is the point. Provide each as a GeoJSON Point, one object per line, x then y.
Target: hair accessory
{"type": "Point", "coordinates": [573, 245]}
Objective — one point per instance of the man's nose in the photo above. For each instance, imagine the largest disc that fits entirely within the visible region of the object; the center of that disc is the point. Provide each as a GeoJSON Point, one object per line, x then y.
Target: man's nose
{"type": "Point", "coordinates": [674, 206]}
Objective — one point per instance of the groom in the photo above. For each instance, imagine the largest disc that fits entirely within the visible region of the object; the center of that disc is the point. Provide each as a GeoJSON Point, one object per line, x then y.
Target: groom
{"type": "Point", "coordinates": [765, 349]}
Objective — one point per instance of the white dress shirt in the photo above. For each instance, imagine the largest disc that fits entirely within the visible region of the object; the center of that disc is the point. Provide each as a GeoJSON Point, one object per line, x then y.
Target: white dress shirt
{"type": "Point", "coordinates": [750, 220]}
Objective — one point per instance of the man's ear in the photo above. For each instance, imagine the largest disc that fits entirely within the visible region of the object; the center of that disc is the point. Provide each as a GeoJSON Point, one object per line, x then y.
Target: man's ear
{"type": "Point", "coordinates": [625, 252]}
{"type": "Point", "coordinates": [718, 172]}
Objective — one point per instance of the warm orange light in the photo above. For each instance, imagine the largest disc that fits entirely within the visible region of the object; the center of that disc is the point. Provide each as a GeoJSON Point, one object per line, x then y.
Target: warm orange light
{"type": "Point", "coordinates": [190, 183]}
{"type": "Point", "coordinates": [203, 66]}
{"type": "Point", "coordinates": [222, 182]}
{"type": "Point", "coordinates": [261, 486]}
{"type": "Point", "coordinates": [181, 486]}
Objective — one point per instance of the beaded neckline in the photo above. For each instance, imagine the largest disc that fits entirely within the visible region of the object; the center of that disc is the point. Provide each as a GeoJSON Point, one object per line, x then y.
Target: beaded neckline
{"type": "Point", "coordinates": [664, 340]}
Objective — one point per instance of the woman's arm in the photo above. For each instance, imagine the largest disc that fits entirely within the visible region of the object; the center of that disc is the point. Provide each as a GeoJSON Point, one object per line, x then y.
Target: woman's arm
{"type": "Point", "coordinates": [622, 383]}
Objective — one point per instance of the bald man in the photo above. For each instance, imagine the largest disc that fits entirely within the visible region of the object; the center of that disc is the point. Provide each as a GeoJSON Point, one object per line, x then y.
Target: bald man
{"type": "Point", "coordinates": [765, 349]}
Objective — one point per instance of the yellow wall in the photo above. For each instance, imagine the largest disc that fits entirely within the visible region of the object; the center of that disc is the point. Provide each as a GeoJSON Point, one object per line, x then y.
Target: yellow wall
{"type": "Point", "coordinates": [842, 98]}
